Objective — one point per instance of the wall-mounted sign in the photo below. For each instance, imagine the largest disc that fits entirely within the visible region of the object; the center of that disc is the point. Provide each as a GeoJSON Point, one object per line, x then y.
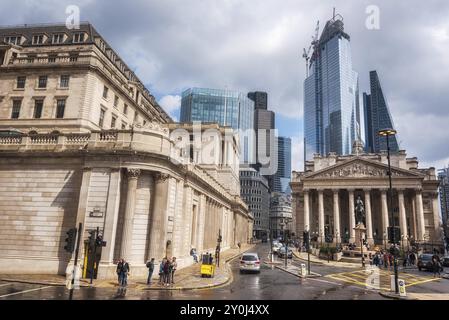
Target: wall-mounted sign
{"type": "Point", "coordinates": [96, 213]}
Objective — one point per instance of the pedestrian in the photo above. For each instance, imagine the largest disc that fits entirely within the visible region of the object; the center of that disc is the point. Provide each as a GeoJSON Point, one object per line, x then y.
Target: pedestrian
{"type": "Point", "coordinates": [173, 270]}
{"type": "Point", "coordinates": [217, 255]}
{"type": "Point", "coordinates": [412, 258]}
{"type": "Point", "coordinates": [386, 260]}
{"type": "Point", "coordinates": [404, 263]}
{"type": "Point", "coordinates": [150, 266]}
{"type": "Point", "coordinates": [167, 270]}
{"type": "Point", "coordinates": [390, 260]}
{"type": "Point", "coordinates": [370, 257]}
{"type": "Point", "coordinates": [239, 245]}
{"type": "Point", "coordinates": [123, 272]}
{"type": "Point", "coordinates": [194, 255]}
{"type": "Point", "coordinates": [436, 266]}
{"type": "Point", "coordinates": [161, 271]}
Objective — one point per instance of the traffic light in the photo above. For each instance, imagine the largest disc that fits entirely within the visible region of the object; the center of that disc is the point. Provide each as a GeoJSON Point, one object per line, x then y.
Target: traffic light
{"type": "Point", "coordinates": [394, 235]}
{"type": "Point", "coordinates": [70, 240]}
{"type": "Point", "coordinates": [92, 238]}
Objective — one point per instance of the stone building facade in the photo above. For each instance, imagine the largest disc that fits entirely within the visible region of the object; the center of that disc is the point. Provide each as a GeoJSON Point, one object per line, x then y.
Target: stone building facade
{"type": "Point", "coordinates": [324, 197]}
{"type": "Point", "coordinates": [83, 141]}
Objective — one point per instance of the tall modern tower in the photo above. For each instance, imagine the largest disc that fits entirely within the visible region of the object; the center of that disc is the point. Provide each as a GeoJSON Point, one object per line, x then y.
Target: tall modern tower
{"type": "Point", "coordinates": [331, 94]}
{"type": "Point", "coordinates": [264, 120]}
{"type": "Point", "coordinates": [225, 107]}
{"type": "Point", "coordinates": [281, 179]}
{"type": "Point", "coordinates": [377, 117]}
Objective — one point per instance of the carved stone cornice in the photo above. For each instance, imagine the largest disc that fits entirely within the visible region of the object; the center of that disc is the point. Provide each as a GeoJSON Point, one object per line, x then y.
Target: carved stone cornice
{"type": "Point", "coordinates": [132, 173]}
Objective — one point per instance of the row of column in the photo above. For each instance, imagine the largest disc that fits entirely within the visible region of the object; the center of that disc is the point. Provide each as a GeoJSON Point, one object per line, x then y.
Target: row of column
{"type": "Point", "coordinates": [368, 214]}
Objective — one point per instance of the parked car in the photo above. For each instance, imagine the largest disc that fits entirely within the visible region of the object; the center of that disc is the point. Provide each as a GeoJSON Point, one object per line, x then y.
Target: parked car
{"type": "Point", "coordinates": [250, 262]}
{"type": "Point", "coordinates": [282, 250]}
{"type": "Point", "coordinates": [445, 261]}
{"type": "Point", "coordinates": [425, 261]}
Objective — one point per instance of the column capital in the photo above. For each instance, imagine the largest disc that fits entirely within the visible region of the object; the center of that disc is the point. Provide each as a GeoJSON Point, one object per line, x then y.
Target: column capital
{"type": "Point", "coordinates": [351, 190]}
{"type": "Point", "coordinates": [336, 190]}
{"type": "Point", "coordinates": [161, 177]}
{"type": "Point", "coordinates": [133, 173]}
{"type": "Point", "coordinates": [320, 190]}
{"type": "Point", "coordinates": [366, 190]}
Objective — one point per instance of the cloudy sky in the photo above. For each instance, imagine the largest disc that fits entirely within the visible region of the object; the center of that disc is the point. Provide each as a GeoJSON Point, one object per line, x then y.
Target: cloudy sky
{"type": "Point", "coordinates": [257, 45]}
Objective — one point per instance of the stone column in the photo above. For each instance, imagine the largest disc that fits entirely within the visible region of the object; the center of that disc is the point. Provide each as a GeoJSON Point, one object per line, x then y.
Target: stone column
{"type": "Point", "coordinates": [402, 217]}
{"type": "Point", "coordinates": [420, 215]}
{"type": "Point", "coordinates": [351, 216]}
{"type": "Point", "coordinates": [159, 217]}
{"type": "Point", "coordinates": [321, 215]}
{"type": "Point", "coordinates": [437, 236]}
{"type": "Point", "coordinates": [385, 221]}
{"type": "Point", "coordinates": [306, 211]}
{"type": "Point", "coordinates": [414, 222]}
{"type": "Point", "coordinates": [81, 212]}
{"type": "Point", "coordinates": [337, 234]}
{"type": "Point", "coordinates": [110, 225]}
{"type": "Point", "coordinates": [369, 221]}
{"type": "Point", "coordinates": [127, 235]}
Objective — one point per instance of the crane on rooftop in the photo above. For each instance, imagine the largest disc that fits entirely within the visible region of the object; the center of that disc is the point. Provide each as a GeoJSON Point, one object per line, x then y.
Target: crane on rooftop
{"type": "Point", "coordinates": [306, 53]}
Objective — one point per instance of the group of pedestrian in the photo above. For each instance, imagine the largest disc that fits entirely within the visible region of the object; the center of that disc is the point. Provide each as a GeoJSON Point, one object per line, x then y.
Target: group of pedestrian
{"type": "Point", "coordinates": [381, 259]}
{"type": "Point", "coordinates": [167, 270]}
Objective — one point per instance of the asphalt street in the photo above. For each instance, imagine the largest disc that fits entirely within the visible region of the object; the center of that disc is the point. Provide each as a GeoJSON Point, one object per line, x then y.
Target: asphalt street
{"type": "Point", "coordinates": [270, 284]}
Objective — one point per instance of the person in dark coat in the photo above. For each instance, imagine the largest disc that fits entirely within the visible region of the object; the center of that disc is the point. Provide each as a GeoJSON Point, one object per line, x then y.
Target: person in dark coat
{"type": "Point", "coordinates": [150, 266]}
{"type": "Point", "coordinates": [123, 272]}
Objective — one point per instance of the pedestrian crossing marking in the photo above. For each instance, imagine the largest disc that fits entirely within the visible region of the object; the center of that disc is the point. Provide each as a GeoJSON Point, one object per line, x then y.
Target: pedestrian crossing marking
{"type": "Point", "coordinates": [361, 278]}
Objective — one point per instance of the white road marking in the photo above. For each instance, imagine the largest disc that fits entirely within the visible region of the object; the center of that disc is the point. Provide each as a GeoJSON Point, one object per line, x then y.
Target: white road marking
{"type": "Point", "coordinates": [6, 284]}
{"type": "Point", "coordinates": [26, 291]}
{"type": "Point", "coordinates": [321, 280]}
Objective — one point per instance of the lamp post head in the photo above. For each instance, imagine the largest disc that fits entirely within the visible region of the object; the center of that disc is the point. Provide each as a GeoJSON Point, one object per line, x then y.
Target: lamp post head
{"type": "Point", "coordinates": [387, 132]}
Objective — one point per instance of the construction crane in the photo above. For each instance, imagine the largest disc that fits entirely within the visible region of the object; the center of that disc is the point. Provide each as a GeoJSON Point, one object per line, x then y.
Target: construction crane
{"type": "Point", "coordinates": [306, 53]}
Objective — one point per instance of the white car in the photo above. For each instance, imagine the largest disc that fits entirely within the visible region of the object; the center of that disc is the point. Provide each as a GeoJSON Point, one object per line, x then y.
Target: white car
{"type": "Point", "coordinates": [276, 247]}
{"type": "Point", "coordinates": [250, 262]}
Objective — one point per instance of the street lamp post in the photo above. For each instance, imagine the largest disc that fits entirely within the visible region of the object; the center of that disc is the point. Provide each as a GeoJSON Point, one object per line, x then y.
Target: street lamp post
{"type": "Point", "coordinates": [387, 133]}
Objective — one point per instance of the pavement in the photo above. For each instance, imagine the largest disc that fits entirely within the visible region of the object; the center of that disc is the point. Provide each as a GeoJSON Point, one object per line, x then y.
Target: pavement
{"type": "Point", "coordinates": [188, 278]}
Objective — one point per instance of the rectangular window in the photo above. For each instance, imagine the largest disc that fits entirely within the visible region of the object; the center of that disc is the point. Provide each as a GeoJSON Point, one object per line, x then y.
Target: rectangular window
{"type": "Point", "coordinates": [16, 104]}
{"type": "Point", "coordinates": [64, 82]}
{"type": "Point", "coordinates": [60, 108]}
{"type": "Point", "coordinates": [113, 121]}
{"type": "Point", "coordinates": [105, 92]}
{"type": "Point", "coordinates": [58, 38]}
{"type": "Point", "coordinates": [38, 39]}
{"type": "Point", "coordinates": [125, 108]}
{"type": "Point", "coordinates": [38, 106]}
{"type": "Point", "coordinates": [116, 101]}
{"type": "Point", "coordinates": [78, 37]}
{"type": "Point", "coordinates": [12, 40]}
{"type": "Point", "coordinates": [42, 82]}
{"type": "Point", "coordinates": [21, 82]}
{"type": "Point", "coordinates": [101, 122]}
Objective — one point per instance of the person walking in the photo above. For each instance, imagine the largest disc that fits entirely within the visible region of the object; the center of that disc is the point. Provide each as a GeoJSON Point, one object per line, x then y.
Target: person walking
{"type": "Point", "coordinates": [123, 272]}
{"type": "Point", "coordinates": [167, 272]}
{"type": "Point", "coordinates": [150, 266]}
{"type": "Point", "coordinates": [161, 271]}
{"type": "Point", "coordinates": [174, 266]}
{"type": "Point", "coordinates": [386, 260]}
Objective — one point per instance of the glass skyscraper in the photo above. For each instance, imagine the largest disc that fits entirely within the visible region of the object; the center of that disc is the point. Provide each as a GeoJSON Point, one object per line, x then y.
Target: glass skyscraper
{"type": "Point", "coordinates": [225, 107]}
{"type": "Point", "coordinates": [281, 179]}
{"type": "Point", "coordinates": [377, 117]}
{"type": "Point", "coordinates": [331, 95]}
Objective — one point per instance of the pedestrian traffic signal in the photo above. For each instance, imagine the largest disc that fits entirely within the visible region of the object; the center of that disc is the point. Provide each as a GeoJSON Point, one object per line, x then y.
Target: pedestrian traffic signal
{"type": "Point", "coordinates": [70, 240]}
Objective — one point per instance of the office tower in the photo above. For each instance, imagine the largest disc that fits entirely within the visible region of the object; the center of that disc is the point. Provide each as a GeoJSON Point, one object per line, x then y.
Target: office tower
{"type": "Point", "coordinates": [225, 107]}
{"type": "Point", "coordinates": [331, 107]}
{"type": "Point", "coordinates": [443, 176]}
{"type": "Point", "coordinates": [377, 117]}
{"type": "Point", "coordinates": [264, 120]}
{"type": "Point", "coordinates": [279, 182]}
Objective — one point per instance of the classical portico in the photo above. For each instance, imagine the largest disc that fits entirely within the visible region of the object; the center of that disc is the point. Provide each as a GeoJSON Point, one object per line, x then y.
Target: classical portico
{"type": "Point", "coordinates": [326, 196]}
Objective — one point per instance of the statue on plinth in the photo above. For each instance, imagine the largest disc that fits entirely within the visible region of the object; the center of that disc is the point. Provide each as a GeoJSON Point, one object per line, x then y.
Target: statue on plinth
{"type": "Point", "coordinates": [359, 211]}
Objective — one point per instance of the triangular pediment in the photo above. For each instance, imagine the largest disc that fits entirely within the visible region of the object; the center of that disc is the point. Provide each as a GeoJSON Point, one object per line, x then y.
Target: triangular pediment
{"type": "Point", "coordinates": [360, 168]}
